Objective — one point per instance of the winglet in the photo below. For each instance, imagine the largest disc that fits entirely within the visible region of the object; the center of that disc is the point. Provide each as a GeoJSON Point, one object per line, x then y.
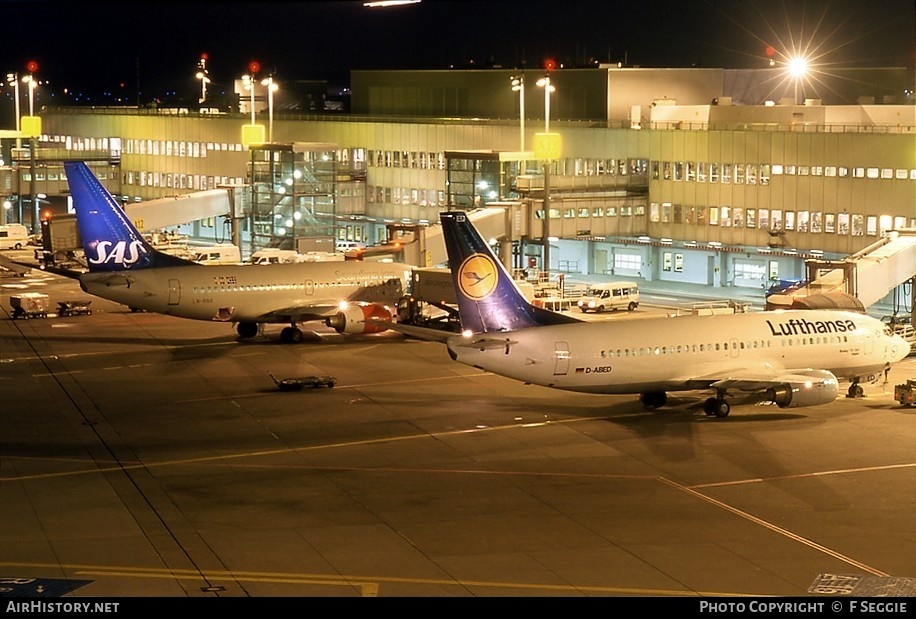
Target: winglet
{"type": "Point", "coordinates": [488, 299]}
{"type": "Point", "coordinates": [110, 241]}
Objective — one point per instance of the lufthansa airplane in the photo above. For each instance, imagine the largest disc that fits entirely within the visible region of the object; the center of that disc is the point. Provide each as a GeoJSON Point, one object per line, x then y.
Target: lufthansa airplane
{"type": "Point", "coordinates": [124, 268]}
{"type": "Point", "coordinates": [791, 358]}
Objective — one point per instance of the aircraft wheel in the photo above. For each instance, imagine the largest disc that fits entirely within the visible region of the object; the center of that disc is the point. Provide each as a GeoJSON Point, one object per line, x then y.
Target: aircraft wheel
{"type": "Point", "coordinates": [247, 330]}
{"type": "Point", "coordinates": [855, 391]}
{"type": "Point", "coordinates": [722, 408]}
{"type": "Point", "coordinates": [290, 335]}
{"type": "Point", "coordinates": [709, 406]}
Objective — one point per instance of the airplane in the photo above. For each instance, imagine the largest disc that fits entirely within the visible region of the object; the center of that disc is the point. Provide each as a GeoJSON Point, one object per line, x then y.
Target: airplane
{"type": "Point", "coordinates": [123, 267]}
{"type": "Point", "coordinates": [791, 358]}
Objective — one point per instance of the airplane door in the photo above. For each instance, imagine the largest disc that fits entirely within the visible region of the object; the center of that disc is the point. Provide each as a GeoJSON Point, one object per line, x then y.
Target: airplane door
{"type": "Point", "coordinates": [309, 287]}
{"type": "Point", "coordinates": [561, 359]}
{"type": "Point", "coordinates": [733, 344]}
{"type": "Point", "coordinates": [174, 292]}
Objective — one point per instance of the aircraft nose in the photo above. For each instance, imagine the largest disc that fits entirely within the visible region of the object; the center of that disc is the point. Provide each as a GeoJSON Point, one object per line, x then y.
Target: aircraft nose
{"type": "Point", "coordinates": [900, 348]}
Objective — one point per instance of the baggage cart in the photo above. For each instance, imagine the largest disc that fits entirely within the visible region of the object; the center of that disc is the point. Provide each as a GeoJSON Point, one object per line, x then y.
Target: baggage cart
{"type": "Point", "coordinates": [29, 305]}
{"type": "Point", "coordinates": [74, 308]}
{"type": "Point", "coordinates": [297, 384]}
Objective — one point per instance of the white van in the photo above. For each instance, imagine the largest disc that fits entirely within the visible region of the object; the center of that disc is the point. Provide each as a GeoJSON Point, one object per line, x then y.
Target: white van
{"type": "Point", "coordinates": [611, 296]}
{"type": "Point", "coordinates": [13, 236]}
{"type": "Point", "coordinates": [272, 255]}
{"type": "Point", "coordinates": [224, 253]}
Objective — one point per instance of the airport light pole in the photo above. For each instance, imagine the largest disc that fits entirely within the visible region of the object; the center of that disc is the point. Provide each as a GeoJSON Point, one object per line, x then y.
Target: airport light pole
{"type": "Point", "coordinates": [518, 85]}
{"type": "Point", "coordinates": [203, 76]}
{"type": "Point", "coordinates": [272, 87]}
{"type": "Point", "coordinates": [13, 80]}
{"type": "Point", "coordinates": [549, 88]}
{"type": "Point", "coordinates": [544, 83]}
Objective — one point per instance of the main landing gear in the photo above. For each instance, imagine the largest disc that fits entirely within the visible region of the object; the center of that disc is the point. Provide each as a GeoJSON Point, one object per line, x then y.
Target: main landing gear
{"type": "Point", "coordinates": [855, 390]}
{"type": "Point", "coordinates": [289, 335]}
{"type": "Point", "coordinates": [717, 407]}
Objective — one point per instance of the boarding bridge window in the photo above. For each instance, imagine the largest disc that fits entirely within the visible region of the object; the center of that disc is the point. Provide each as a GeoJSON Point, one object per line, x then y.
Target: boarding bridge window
{"type": "Point", "coordinates": [666, 212]}
{"type": "Point", "coordinates": [738, 217]}
{"type": "Point", "coordinates": [666, 170]}
{"type": "Point", "coordinates": [713, 172]}
{"type": "Point", "coordinates": [751, 174]}
{"type": "Point", "coordinates": [829, 223]}
{"type": "Point", "coordinates": [816, 222]}
{"type": "Point", "coordinates": [726, 173]}
{"type": "Point", "coordinates": [871, 173]}
{"type": "Point", "coordinates": [751, 217]}
{"type": "Point", "coordinates": [802, 221]}
{"type": "Point", "coordinates": [725, 217]}
{"type": "Point", "coordinates": [655, 170]}
{"type": "Point", "coordinates": [701, 172]}
{"type": "Point", "coordinates": [790, 220]}
{"type": "Point", "coordinates": [858, 224]}
{"type": "Point", "coordinates": [612, 211]}
{"type": "Point", "coordinates": [776, 219]}
{"type": "Point", "coordinates": [871, 225]}
{"type": "Point", "coordinates": [691, 171]}
{"type": "Point", "coordinates": [764, 174]}
{"type": "Point", "coordinates": [842, 223]}
{"type": "Point", "coordinates": [678, 170]}
{"type": "Point", "coordinates": [713, 215]}
{"type": "Point", "coordinates": [858, 172]}
{"type": "Point", "coordinates": [678, 217]}
{"type": "Point", "coordinates": [598, 211]}
{"type": "Point", "coordinates": [739, 173]}
{"type": "Point", "coordinates": [701, 215]}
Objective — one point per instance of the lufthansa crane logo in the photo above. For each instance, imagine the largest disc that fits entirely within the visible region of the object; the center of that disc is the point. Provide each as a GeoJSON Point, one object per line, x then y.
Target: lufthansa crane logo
{"type": "Point", "coordinates": [477, 277]}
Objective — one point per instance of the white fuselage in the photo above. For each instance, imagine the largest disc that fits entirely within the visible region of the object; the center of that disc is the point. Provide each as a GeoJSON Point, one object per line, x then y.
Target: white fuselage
{"type": "Point", "coordinates": [686, 352]}
{"type": "Point", "coordinates": [251, 293]}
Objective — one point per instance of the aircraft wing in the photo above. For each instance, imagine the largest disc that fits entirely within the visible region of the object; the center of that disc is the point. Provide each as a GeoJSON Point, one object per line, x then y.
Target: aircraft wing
{"type": "Point", "coordinates": [300, 313]}
{"type": "Point", "coordinates": [748, 379]}
{"type": "Point", "coordinates": [422, 333]}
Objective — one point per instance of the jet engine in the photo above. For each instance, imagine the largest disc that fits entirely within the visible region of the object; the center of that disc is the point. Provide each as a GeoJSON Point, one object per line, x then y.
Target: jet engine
{"type": "Point", "coordinates": [353, 319]}
{"type": "Point", "coordinates": [821, 389]}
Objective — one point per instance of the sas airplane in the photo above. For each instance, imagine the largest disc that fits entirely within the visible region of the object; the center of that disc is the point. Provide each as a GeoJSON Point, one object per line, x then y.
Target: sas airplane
{"type": "Point", "coordinates": [791, 358]}
{"type": "Point", "coordinates": [124, 268]}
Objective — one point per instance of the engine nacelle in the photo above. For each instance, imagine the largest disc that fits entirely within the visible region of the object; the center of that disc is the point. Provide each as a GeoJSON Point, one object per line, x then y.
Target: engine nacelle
{"type": "Point", "coordinates": [823, 388]}
{"type": "Point", "coordinates": [353, 319]}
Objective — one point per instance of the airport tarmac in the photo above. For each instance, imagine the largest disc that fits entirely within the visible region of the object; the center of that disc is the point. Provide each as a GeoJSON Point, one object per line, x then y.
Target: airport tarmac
{"type": "Point", "coordinates": [145, 455]}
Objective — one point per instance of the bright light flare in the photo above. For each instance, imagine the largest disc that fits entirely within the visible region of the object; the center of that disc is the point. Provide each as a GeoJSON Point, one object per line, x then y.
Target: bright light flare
{"type": "Point", "coordinates": [798, 66]}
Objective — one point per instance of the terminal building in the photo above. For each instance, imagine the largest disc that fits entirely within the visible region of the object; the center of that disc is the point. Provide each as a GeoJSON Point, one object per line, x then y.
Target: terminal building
{"type": "Point", "coordinates": [709, 176]}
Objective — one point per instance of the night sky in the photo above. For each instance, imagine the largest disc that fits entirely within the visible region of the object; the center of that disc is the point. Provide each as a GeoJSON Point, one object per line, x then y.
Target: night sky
{"type": "Point", "coordinates": [86, 45]}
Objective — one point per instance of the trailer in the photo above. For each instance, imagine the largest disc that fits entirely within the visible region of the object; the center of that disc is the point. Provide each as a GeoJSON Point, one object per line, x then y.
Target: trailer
{"type": "Point", "coordinates": [74, 308]}
{"type": "Point", "coordinates": [905, 393]}
{"type": "Point", "coordinates": [29, 305]}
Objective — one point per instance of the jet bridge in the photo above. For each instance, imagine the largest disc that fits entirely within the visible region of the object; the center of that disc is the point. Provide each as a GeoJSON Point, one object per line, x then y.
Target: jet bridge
{"type": "Point", "coordinates": [501, 222]}
{"type": "Point", "coordinates": [866, 276]}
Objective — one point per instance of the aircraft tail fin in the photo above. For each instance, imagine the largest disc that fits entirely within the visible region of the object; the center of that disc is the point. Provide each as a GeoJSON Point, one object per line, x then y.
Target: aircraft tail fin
{"type": "Point", "coordinates": [488, 299]}
{"type": "Point", "coordinates": [110, 240]}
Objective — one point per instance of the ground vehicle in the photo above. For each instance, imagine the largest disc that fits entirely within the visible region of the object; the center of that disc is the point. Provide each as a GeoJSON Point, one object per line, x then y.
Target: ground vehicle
{"type": "Point", "coordinates": [610, 296]}
{"type": "Point", "coordinates": [13, 236]}
{"type": "Point", "coordinates": [273, 256]}
{"type": "Point", "coordinates": [29, 305]}
{"type": "Point", "coordinates": [74, 308]}
{"type": "Point", "coordinates": [905, 393]}
{"type": "Point", "coordinates": [224, 253]}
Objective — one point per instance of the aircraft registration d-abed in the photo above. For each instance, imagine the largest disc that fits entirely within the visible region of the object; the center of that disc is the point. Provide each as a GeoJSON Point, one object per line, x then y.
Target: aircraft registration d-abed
{"type": "Point", "coordinates": [124, 268]}
{"type": "Point", "coordinates": [791, 358]}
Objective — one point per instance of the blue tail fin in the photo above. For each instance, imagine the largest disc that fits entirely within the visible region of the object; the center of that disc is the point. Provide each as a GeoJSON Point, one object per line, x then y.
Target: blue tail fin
{"type": "Point", "coordinates": [110, 241]}
{"type": "Point", "coordinates": [488, 299]}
